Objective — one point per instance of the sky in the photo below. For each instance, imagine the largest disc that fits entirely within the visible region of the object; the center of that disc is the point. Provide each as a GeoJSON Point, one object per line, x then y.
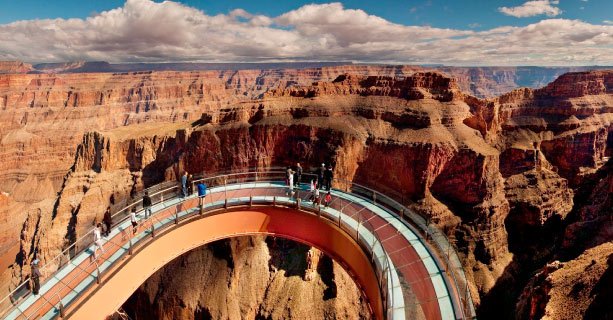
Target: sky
{"type": "Point", "coordinates": [469, 32]}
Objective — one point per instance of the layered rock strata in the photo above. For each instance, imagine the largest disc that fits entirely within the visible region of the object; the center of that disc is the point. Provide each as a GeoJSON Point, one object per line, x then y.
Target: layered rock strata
{"type": "Point", "coordinates": [491, 173]}
{"type": "Point", "coordinates": [249, 277]}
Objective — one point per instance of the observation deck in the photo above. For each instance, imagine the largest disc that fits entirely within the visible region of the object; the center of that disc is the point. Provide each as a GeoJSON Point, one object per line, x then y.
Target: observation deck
{"type": "Point", "coordinates": [406, 268]}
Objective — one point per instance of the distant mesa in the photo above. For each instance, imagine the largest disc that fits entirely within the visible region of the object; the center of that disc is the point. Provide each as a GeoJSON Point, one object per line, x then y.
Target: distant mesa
{"type": "Point", "coordinates": [482, 82]}
{"type": "Point", "coordinates": [103, 66]}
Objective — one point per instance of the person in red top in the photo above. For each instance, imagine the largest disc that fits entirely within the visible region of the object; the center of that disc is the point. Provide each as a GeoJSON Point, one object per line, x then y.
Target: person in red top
{"type": "Point", "coordinates": [327, 199]}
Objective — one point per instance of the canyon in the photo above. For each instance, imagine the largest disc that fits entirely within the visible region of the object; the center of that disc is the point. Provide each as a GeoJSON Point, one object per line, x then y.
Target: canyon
{"type": "Point", "coordinates": [521, 182]}
{"type": "Point", "coordinates": [482, 82]}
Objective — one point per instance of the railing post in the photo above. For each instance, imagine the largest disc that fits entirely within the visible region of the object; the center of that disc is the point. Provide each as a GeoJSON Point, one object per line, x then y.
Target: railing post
{"type": "Point", "coordinates": [274, 201]}
{"type": "Point", "coordinates": [176, 215]}
{"type": "Point", "coordinates": [250, 201]}
{"type": "Point", "coordinates": [130, 247]}
{"type": "Point", "coordinates": [98, 274]}
{"type": "Point", "coordinates": [374, 197]}
{"type": "Point", "coordinates": [162, 198]}
{"type": "Point", "coordinates": [152, 229]}
{"type": "Point", "coordinates": [298, 203]}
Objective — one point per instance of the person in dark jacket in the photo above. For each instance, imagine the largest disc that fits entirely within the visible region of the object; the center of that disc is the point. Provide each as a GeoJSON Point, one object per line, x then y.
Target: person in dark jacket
{"type": "Point", "coordinates": [298, 174]}
{"type": "Point", "coordinates": [35, 274]}
{"type": "Point", "coordinates": [328, 177]}
{"type": "Point", "coordinates": [184, 184]}
{"type": "Point", "coordinates": [320, 175]}
{"type": "Point", "coordinates": [108, 221]}
{"type": "Point", "coordinates": [190, 185]}
{"type": "Point", "coordinates": [147, 204]}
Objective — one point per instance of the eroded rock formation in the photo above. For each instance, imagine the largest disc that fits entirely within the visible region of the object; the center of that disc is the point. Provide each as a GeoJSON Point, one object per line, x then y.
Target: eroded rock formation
{"type": "Point", "coordinates": [249, 278]}
{"type": "Point", "coordinates": [493, 174]}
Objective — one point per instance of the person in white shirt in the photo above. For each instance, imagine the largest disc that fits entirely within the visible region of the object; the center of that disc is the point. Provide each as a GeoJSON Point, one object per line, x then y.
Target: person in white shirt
{"type": "Point", "coordinates": [98, 239]}
{"type": "Point", "coordinates": [316, 196]}
{"type": "Point", "coordinates": [133, 220]}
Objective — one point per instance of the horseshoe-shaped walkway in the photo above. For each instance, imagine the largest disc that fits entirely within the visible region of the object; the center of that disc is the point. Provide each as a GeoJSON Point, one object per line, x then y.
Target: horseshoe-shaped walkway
{"type": "Point", "coordinates": [401, 274]}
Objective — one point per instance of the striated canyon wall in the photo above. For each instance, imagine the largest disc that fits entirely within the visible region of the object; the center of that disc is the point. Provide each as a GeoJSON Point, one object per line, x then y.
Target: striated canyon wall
{"type": "Point", "coordinates": [249, 278]}
{"type": "Point", "coordinates": [509, 179]}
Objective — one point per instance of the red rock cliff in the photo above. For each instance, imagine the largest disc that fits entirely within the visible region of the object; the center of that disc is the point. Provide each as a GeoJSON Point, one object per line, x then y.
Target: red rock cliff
{"type": "Point", "coordinates": [488, 172]}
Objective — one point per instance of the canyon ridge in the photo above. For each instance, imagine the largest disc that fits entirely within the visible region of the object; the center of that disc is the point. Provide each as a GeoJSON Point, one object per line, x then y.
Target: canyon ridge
{"type": "Point", "coordinates": [521, 181]}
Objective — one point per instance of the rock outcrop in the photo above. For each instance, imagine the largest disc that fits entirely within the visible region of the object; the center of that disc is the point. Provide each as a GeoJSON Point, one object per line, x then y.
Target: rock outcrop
{"type": "Point", "coordinates": [14, 67]}
{"type": "Point", "coordinates": [493, 174]}
{"type": "Point", "coordinates": [583, 283]}
{"type": "Point", "coordinates": [218, 282]}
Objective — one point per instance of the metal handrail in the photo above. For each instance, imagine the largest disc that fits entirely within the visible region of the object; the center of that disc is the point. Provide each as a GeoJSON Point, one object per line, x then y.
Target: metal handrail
{"type": "Point", "coordinates": [423, 224]}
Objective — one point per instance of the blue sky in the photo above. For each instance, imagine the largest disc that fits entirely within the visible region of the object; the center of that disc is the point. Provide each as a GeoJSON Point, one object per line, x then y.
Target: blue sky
{"type": "Point", "coordinates": [439, 13]}
{"type": "Point", "coordinates": [469, 32]}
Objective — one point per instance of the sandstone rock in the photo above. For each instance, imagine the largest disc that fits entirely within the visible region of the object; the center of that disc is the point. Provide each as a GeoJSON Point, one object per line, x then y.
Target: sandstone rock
{"type": "Point", "coordinates": [583, 283]}
{"type": "Point", "coordinates": [218, 281]}
{"type": "Point", "coordinates": [14, 67]}
{"type": "Point", "coordinates": [484, 171]}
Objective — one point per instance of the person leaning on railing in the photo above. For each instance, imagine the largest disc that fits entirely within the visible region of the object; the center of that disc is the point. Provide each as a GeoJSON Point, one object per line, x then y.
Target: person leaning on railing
{"type": "Point", "coordinates": [201, 193]}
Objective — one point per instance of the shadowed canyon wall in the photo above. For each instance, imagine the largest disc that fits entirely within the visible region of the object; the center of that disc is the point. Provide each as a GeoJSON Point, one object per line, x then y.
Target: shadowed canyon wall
{"type": "Point", "coordinates": [249, 278]}
{"type": "Point", "coordinates": [516, 181]}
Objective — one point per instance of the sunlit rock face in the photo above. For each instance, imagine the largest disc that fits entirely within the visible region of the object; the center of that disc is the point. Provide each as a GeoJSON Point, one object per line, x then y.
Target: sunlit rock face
{"type": "Point", "coordinates": [249, 278]}
{"type": "Point", "coordinates": [515, 181]}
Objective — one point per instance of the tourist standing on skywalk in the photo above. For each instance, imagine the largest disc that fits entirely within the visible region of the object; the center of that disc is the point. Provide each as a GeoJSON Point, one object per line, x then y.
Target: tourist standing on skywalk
{"type": "Point", "coordinates": [98, 239]}
{"type": "Point", "coordinates": [298, 174]}
{"type": "Point", "coordinates": [133, 220]}
{"type": "Point", "coordinates": [184, 184]}
{"type": "Point", "coordinates": [315, 196]}
{"type": "Point", "coordinates": [320, 175]}
{"type": "Point", "coordinates": [190, 184]}
{"type": "Point", "coordinates": [327, 199]}
{"type": "Point", "coordinates": [147, 204]}
{"type": "Point", "coordinates": [328, 176]}
{"type": "Point", "coordinates": [201, 193]}
{"type": "Point", "coordinates": [35, 274]}
{"type": "Point", "coordinates": [290, 182]}
{"type": "Point", "coordinates": [108, 221]}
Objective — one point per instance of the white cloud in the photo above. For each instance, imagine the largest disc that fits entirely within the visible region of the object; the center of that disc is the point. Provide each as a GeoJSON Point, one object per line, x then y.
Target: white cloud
{"type": "Point", "coordinates": [533, 8]}
{"type": "Point", "coordinates": [143, 30]}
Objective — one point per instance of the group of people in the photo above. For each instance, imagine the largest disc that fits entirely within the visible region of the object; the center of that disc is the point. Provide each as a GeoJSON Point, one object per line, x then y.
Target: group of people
{"type": "Point", "coordinates": [187, 187]}
{"type": "Point", "coordinates": [187, 184]}
{"type": "Point", "coordinates": [103, 229]}
{"type": "Point", "coordinates": [323, 181]}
